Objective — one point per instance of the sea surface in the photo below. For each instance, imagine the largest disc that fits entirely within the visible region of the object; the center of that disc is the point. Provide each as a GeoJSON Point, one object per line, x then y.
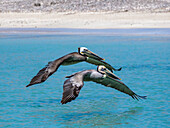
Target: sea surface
{"type": "Point", "coordinates": [146, 70]}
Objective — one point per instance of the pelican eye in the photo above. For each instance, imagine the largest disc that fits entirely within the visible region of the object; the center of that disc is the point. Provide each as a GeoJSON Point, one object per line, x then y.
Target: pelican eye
{"type": "Point", "coordinates": [103, 69]}
{"type": "Point", "coordinates": [85, 50]}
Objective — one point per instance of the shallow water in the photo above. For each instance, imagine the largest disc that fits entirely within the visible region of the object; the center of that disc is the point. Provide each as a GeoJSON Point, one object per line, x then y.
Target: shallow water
{"type": "Point", "coordinates": [146, 70]}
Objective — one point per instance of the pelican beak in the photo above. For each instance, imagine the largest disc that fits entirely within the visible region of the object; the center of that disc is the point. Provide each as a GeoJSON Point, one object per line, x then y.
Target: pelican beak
{"type": "Point", "coordinates": [111, 75]}
{"type": "Point", "coordinates": [92, 55]}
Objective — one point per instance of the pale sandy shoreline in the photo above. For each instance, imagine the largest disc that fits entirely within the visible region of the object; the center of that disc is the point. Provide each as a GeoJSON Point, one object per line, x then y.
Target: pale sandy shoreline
{"type": "Point", "coordinates": [97, 20]}
{"type": "Point", "coordinates": [75, 31]}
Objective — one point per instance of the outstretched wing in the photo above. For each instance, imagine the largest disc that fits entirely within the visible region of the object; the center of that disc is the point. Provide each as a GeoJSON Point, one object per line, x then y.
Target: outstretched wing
{"type": "Point", "coordinates": [71, 89]}
{"type": "Point", "coordinates": [97, 62]}
{"type": "Point", "coordinates": [118, 85]}
{"type": "Point", "coordinates": [48, 70]}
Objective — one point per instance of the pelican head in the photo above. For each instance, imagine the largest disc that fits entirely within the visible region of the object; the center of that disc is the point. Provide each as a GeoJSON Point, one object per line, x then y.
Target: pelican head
{"type": "Point", "coordinates": [85, 52]}
{"type": "Point", "coordinates": [103, 70]}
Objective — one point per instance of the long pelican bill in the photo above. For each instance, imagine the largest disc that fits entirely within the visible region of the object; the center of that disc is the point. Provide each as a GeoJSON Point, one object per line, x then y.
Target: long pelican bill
{"type": "Point", "coordinates": [89, 53]}
{"type": "Point", "coordinates": [111, 75]}
{"type": "Point", "coordinates": [100, 62]}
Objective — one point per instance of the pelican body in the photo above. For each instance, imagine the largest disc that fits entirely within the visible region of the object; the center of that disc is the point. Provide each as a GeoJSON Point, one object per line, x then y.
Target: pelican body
{"type": "Point", "coordinates": [102, 75]}
{"type": "Point", "coordinates": [83, 54]}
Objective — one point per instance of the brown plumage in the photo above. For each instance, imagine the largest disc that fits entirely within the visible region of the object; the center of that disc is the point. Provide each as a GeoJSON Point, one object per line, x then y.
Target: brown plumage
{"type": "Point", "coordinates": [73, 85]}
{"type": "Point", "coordinates": [52, 67]}
{"type": "Point", "coordinates": [82, 55]}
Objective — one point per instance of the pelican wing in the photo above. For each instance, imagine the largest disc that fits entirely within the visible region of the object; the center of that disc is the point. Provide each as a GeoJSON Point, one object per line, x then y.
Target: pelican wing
{"type": "Point", "coordinates": [48, 70]}
{"type": "Point", "coordinates": [118, 85]}
{"type": "Point", "coordinates": [71, 90]}
{"type": "Point", "coordinates": [97, 62]}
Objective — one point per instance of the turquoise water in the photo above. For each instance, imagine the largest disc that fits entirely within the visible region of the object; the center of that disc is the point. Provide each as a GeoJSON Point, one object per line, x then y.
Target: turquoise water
{"type": "Point", "coordinates": [146, 70]}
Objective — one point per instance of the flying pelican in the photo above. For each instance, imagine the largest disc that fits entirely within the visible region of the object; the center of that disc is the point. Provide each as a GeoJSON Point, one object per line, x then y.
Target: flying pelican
{"type": "Point", "coordinates": [73, 85]}
{"type": "Point", "coordinates": [83, 54]}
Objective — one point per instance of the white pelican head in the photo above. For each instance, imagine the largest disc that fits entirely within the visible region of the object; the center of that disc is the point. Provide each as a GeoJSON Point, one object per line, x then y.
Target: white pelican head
{"type": "Point", "coordinates": [85, 52]}
{"type": "Point", "coordinates": [103, 70]}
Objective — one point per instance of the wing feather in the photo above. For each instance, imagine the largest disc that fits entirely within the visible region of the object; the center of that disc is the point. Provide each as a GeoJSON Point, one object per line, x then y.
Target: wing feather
{"type": "Point", "coordinates": [70, 90]}
{"type": "Point", "coordinates": [118, 85]}
{"type": "Point", "coordinates": [48, 70]}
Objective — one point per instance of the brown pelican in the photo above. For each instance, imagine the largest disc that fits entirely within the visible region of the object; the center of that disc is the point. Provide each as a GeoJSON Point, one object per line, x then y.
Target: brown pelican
{"type": "Point", "coordinates": [83, 54]}
{"type": "Point", "coordinates": [73, 85]}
